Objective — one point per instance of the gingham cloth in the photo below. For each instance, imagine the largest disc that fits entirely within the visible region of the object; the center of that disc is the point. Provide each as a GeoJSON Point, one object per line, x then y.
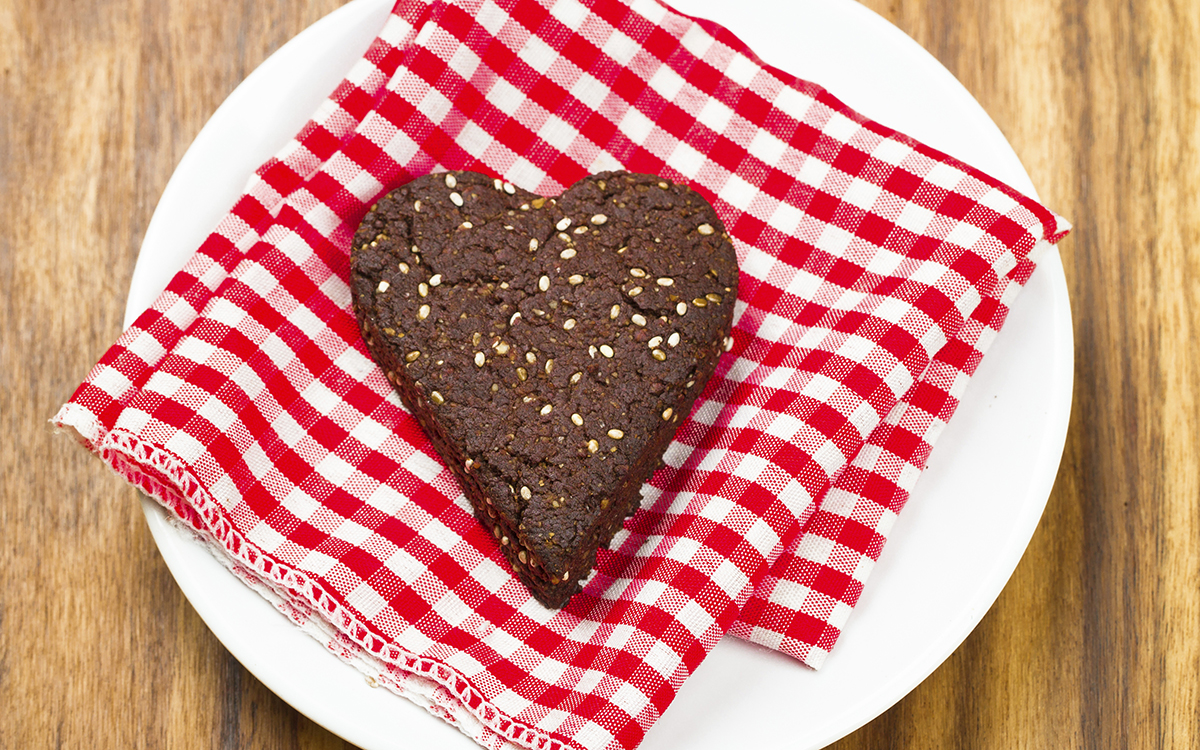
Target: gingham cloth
{"type": "Point", "coordinates": [800, 607]}
{"type": "Point", "coordinates": [245, 402]}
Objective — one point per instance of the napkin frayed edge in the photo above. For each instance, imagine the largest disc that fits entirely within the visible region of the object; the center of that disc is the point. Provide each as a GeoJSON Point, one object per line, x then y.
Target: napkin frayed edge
{"type": "Point", "coordinates": [193, 512]}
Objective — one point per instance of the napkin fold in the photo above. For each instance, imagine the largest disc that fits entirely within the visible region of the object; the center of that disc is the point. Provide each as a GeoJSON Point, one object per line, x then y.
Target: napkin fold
{"type": "Point", "coordinates": [244, 400]}
{"type": "Point", "coordinates": [800, 607]}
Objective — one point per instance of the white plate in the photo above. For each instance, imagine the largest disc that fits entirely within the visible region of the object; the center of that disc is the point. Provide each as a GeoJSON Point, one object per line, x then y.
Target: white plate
{"type": "Point", "coordinates": [955, 545]}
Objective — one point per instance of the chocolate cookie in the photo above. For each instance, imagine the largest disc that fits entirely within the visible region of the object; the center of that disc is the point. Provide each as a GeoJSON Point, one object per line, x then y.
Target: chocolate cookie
{"type": "Point", "coordinates": [549, 347]}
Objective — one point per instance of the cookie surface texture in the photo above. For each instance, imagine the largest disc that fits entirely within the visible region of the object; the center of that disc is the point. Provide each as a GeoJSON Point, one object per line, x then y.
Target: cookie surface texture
{"type": "Point", "coordinates": [549, 347]}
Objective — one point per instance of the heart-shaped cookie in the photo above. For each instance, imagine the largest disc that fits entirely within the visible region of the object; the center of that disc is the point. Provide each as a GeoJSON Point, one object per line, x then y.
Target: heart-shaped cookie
{"type": "Point", "coordinates": [549, 347]}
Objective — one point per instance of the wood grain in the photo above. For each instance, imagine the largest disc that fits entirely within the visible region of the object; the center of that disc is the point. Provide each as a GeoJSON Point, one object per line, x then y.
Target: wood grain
{"type": "Point", "coordinates": [1094, 643]}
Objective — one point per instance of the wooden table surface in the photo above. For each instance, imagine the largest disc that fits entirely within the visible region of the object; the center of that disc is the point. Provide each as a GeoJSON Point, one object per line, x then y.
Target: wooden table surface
{"type": "Point", "coordinates": [1094, 643]}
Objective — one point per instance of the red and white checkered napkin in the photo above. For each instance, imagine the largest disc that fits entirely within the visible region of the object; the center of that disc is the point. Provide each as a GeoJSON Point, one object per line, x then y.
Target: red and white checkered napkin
{"type": "Point", "coordinates": [244, 399]}
{"type": "Point", "coordinates": [799, 608]}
